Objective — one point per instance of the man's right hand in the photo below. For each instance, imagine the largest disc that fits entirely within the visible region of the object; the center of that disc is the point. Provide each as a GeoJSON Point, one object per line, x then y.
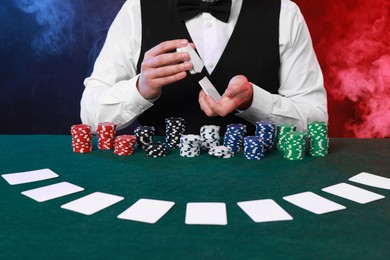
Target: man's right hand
{"type": "Point", "coordinates": [161, 67]}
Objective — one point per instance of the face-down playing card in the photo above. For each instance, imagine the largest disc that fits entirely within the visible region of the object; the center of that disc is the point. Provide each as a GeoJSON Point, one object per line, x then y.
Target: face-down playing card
{"type": "Point", "coordinates": [147, 210]}
{"type": "Point", "coordinates": [372, 180]}
{"type": "Point", "coordinates": [266, 210]}
{"type": "Point", "coordinates": [210, 90]}
{"type": "Point", "coordinates": [197, 63]}
{"type": "Point", "coordinates": [52, 191]}
{"type": "Point", "coordinates": [313, 203]}
{"type": "Point", "coordinates": [92, 203]}
{"type": "Point", "coordinates": [206, 213]}
{"type": "Point", "coordinates": [29, 176]}
{"type": "Point", "coordinates": [353, 193]}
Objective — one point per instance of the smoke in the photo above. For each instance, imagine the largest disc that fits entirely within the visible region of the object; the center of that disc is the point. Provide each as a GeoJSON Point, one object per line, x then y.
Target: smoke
{"type": "Point", "coordinates": [354, 51]}
{"type": "Point", "coordinates": [66, 25]}
{"type": "Point", "coordinates": [56, 20]}
{"type": "Point", "coordinates": [362, 68]}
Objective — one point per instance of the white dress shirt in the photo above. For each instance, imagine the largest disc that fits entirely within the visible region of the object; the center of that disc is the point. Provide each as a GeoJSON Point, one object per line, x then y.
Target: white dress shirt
{"type": "Point", "coordinates": [111, 93]}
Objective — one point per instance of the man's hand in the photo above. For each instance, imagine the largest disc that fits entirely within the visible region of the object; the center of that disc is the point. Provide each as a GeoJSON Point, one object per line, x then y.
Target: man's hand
{"type": "Point", "coordinates": [238, 95]}
{"type": "Point", "coordinates": [161, 67]}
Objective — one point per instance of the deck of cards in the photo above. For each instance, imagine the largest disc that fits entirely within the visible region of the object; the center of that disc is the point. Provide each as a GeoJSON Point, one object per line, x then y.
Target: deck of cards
{"type": "Point", "coordinates": [194, 59]}
{"type": "Point", "coordinates": [210, 90]}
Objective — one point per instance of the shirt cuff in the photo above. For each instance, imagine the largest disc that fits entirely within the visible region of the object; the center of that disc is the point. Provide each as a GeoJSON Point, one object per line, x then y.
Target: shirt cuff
{"type": "Point", "coordinates": [261, 106]}
{"type": "Point", "coordinates": [127, 93]}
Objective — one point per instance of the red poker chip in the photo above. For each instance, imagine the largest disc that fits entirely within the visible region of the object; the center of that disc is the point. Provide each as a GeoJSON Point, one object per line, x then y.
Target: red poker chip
{"type": "Point", "coordinates": [82, 136]}
{"type": "Point", "coordinates": [80, 128]}
{"type": "Point", "coordinates": [105, 148]}
{"type": "Point", "coordinates": [106, 126]}
{"type": "Point", "coordinates": [128, 138]}
{"type": "Point", "coordinates": [123, 153]}
{"type": "Point", "coordinates": [81, 146]}
{"type": "Point", "coordinates": [82, 150]}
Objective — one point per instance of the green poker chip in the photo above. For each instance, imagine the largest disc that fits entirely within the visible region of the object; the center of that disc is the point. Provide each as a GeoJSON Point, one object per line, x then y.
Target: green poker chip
{"type": "Point", "coordinates": [294, 145]}
{"type": "Point", "coordinates": [281, 132]}
{"type": "Point", "coordinates": [318, 138]}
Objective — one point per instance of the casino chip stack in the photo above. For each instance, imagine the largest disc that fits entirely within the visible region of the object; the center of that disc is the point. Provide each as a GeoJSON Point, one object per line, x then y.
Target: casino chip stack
{"type": "Point", "coordinates": [319, 141]}
{"type": "Point", "coordinates": [190, 145]}
{"type": "Point", "coordinates": [234, 137]}
{"type": "Point", "coordinates": [253, 148]}
{"type": "Point", "coordinates": [266, 130]}
{"type": "Point", "coordinates": [106, 133]}
{"type": "Point", "coordinates": [209, 136]}
{"type": "Point", "coordinates": [174, 129]}
{"type": "Point", "coordinates": [294, 145]}
{"type": "Point", "coordinates": [81, 138]}
{"type": "Point", "coordinates": [157, 149]}
{"type": "Point", "coordinates": [221, 151]}
{"type": "Point", "coordinates": [282, 130]}
{"type": "Point", "coordinates": [124, 145]}
{"type": "Point", "coordinates": [144, 136]}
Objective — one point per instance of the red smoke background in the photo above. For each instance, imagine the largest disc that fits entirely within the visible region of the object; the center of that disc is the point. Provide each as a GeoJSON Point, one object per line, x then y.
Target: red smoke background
{"type": "Point", "coordinates": [352, 42]}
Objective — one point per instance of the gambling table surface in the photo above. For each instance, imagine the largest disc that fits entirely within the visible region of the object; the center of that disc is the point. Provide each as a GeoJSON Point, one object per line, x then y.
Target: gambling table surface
{"type": "Point", "coordinates": [43, 230]}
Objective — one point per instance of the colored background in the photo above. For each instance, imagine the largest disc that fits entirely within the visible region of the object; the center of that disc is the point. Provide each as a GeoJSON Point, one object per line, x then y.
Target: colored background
{"type": "Point", "coordinates": [48, 47]}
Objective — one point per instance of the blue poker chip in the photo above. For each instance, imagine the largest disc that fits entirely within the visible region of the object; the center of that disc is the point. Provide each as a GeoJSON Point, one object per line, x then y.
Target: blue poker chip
{"type": "Point", "coordinates": [267, 131]}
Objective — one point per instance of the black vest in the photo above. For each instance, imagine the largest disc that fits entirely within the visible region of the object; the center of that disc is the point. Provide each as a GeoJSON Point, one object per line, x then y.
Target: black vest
{"type": "Point", "coordinates": [252, 51]}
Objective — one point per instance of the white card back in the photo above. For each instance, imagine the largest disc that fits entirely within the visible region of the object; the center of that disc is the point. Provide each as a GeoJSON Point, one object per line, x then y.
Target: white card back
{"type": "Point", "coordinates": [92, 203]}
{"type": "Point", "coordinates": [313, 203]}
{"type": "Point", "coordinates": [264, 210]}
{"type": "Point", "coordinates": [52, 191]}
{"type": "Point", "coordinates": [197, 63]}
{"type": "Point", "coordinates": [29, 176]}
{"type": "Point", "coordinates": [353, 193]}
{"type": "Point", "coordinates": [147, 210]}
{"type": "Point", "coordinates": [372, 180]}
{"type": "Point", "coordinates": [205, 213]}
{"type": "Point", "coordinates": [210, 90]}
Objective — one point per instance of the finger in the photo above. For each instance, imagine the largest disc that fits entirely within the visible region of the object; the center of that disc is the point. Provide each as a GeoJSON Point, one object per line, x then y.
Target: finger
{"type": "Point", "coordinates": [204, 104]}
{"type": "Point", "coordinates": [223, 107]}
{"type": "Point", "coordinates": [237, 85]}
{"type": "Point", "coordinates": [170, 70]}
{"type": "Point", "coordinates": [163, 81]}
{"type": "Point", "coordinates": [165, 47]}
{"type": "Point", "coordinates": [165, 59]}
{"type": "Point", "coordinates": [240, 90]}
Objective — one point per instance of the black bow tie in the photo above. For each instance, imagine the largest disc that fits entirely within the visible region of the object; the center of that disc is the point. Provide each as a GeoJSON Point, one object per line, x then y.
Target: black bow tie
{"type": "Point", "coordinates": [220, 9]}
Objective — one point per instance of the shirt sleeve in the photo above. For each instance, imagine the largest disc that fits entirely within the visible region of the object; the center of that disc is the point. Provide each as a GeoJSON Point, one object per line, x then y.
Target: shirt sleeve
{"type": "Point", "coordinates": [110, 92]}
{"type": "Point", "coordinates": [302, 96]}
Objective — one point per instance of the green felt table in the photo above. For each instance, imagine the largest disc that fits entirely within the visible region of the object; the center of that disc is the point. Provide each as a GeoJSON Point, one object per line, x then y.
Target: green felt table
{"type": "Point", "coordinates": [33, 230]}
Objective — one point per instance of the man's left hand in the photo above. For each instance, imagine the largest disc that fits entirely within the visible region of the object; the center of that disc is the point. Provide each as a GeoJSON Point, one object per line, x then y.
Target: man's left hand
{"type": "Point", "coordinates": [238, 95]}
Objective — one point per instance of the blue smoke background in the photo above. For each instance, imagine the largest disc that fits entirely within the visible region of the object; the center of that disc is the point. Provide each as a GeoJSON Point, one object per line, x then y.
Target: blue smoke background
{"type": "Point", "coordinates": [47, 49]}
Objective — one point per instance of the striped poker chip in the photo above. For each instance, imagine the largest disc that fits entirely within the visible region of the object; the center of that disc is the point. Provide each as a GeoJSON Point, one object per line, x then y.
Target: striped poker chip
{"type": "Point", "coordinates": [221, 152]}
{"type": "Point", "coordinates": [234, 137]}
{"type": "Point", "coordinates": [318, 136]}
{"type": "Point", "coordinates": [282, 130]}
{"type": "Point", "coordinates": [253, 148]}
{"type": "Point", "coordinates": [144, 136]}
{"type": "Point", "coordinates": [174, 129]}
{"type": "Point", "coordinates": [267, 130]}
{"type": "Point", "coordinates": [156, 149]}
{"type": "Point", "coordinates": [190, 145]}
{"type": "Point", "coordinates": [81, 138]}
{"type": "Point", "coordinates": [125, 144]}
{"type": "Point", "coordinates": [209, 136]}
{"type": "Point", "coordinates": [294, 146]}
{"type": "Point", "coordinates": [106, 133]}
